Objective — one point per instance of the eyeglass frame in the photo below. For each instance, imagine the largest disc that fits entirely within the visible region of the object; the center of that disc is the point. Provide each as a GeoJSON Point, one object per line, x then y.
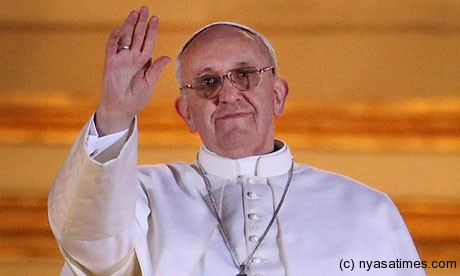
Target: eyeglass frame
{"type": "Point", "coordinates": [229, 76]}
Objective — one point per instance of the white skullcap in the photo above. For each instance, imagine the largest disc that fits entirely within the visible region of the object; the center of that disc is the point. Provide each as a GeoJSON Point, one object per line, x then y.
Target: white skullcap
{"type": "Point", "coordinates": [262, 38]}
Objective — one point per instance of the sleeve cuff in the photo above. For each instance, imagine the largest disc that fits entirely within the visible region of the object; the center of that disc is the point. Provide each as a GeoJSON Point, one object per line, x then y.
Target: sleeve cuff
{"type": "Point", "coordinates": [96, 145]}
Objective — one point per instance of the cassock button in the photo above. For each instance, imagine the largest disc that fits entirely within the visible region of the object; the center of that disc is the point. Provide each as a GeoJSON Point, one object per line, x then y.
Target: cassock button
{"type": "Point", "coordinates": [252, 195]}
{"type": "Point", "coordinates": [256, 260]}
{"type": "Point", "coordinates": [254, 238]}
{"type": "Point", "coordinates": [253, 216]}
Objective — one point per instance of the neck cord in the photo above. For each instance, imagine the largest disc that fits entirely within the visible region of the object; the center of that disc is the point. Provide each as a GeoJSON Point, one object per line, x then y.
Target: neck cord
{"type": "Point", "coordinates": [243, 266]}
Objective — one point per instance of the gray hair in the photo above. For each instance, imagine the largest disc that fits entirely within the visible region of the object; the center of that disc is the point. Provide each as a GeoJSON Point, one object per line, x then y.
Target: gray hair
{"type": "Point", "coordinates": [253, 32]}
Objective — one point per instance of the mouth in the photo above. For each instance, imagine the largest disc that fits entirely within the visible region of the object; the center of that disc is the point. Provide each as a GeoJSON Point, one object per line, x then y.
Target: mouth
{"type": "Point", "coordinates": [235, 115]}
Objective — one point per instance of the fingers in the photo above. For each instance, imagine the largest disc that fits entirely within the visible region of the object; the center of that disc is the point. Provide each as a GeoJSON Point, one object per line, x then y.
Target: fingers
{"type": "Point", "coordinates": [139, 30]}
{"type": "Point", "coordinates": [151, 35]}
{"type": "Point", "coordinates": [153, 72]}
{"type": "Point", "coordinates": [112, 43]}
{"type": "Point", "coordinates": [126, 33]}
{"type": "Point", "coordinates": [137, 33]}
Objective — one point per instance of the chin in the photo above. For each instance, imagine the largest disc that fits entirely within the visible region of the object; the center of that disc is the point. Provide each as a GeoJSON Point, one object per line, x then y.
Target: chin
{"type": "Point", "coordinates": [239, 145]}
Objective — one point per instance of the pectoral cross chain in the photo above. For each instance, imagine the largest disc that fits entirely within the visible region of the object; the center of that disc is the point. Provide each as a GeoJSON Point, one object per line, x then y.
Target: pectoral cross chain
{"type": "Point", "coordinates": [242, 269]}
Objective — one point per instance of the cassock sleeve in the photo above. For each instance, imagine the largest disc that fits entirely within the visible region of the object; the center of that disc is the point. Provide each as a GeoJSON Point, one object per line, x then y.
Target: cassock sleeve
{"type": "Point", "coordinates": [92, 208]}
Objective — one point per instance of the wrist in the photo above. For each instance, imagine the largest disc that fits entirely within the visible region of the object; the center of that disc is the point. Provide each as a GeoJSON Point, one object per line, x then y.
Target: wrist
{"type": "Point", "coordinates": [109, 124]}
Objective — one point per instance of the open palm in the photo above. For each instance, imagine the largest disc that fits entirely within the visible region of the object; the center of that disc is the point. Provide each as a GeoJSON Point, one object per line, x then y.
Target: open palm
{"type": "Point", "coordinates": [129, 72]}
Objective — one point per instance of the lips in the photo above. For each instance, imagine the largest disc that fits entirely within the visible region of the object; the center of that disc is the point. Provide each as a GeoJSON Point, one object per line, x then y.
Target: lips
{"type": "Point", "coordinates": [232, 111]}
{"type": "Point", "coordinates": [232, 115]}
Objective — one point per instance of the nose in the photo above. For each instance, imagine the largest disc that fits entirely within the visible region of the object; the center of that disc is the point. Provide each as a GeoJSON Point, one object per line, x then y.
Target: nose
{"type": "Point", "coordinates": [228, 92]}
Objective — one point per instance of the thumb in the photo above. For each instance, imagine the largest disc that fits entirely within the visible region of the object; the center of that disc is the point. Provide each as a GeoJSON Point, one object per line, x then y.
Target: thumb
{"type": "Point", "coordinates": [154, 70]}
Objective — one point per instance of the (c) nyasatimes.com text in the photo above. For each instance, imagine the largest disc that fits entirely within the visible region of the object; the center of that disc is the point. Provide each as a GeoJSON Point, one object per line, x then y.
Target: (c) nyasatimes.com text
{"type": "Point", "coordinates": [351, 264]}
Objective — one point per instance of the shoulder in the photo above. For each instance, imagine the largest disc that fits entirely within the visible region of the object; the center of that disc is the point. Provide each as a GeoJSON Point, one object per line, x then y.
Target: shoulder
{"type": "Point", "coordinates": [166, 178]}
{"type": "Point", "coordinates": [162, 169]}
{"type": "Point", "coordinates": [346, 215]}
{"type": "Point", "coordinates": [322, 180]}
{"type": "Point", "coordinates": [327, 179]}
{"type": "Point", "coordinates": [337, 193]}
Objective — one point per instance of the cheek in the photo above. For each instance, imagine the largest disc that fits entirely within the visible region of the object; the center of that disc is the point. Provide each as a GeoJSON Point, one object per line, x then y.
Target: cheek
{"type": "Point", "coordinates": [202, 116]}
{"type": "Point", "coordinates": [263, 104]}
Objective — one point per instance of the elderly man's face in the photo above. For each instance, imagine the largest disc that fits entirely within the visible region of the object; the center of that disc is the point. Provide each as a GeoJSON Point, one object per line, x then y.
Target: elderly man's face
{"type": "Point", "coordinates": [234, 123]}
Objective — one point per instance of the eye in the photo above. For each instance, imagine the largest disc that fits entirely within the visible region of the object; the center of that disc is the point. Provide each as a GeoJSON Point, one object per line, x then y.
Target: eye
{"type": "Point", "coordinates": [244, 73]}
{"type": "Point", "coordinates": [208, 82]}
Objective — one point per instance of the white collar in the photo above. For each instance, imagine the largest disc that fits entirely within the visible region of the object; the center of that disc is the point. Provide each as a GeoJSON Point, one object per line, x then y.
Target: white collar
{"type": "Point", "coordinates": [267, 165]}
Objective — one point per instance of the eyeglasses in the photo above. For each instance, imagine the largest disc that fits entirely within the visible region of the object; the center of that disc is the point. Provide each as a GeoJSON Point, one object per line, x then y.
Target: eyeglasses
{"type": "Point", "coordinates": [243, 79]}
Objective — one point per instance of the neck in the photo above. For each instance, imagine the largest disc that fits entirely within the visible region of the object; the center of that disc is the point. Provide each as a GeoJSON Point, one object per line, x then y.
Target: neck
{"type": "Point", "coordinates": [242, 151]}
{"type": "Point", "coordinates": [266, 165]}
{"type": "Point", "coordinates": [241, 146]}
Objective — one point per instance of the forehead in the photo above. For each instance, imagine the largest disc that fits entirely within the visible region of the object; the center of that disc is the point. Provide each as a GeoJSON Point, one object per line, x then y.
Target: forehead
{"type": "Point", "coordinates": [223, 47]}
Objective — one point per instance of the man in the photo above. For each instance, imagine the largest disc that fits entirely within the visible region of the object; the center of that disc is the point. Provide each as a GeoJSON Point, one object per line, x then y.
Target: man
{"type": "Point", "coordinates": [244, 207]}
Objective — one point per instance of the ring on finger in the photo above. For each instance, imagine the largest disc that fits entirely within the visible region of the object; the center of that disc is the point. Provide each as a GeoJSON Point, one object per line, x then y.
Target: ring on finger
{"type": "Point", "coordinates": [123, 47]}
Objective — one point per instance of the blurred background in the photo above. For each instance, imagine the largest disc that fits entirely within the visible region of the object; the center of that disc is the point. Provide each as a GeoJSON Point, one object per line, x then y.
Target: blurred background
{"type": "Point", "coordinates": [374, 95]}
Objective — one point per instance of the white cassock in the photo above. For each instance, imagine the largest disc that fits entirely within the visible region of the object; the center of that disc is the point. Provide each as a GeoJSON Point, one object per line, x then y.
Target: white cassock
{"type": "Point", "coordinates": [111, 217]}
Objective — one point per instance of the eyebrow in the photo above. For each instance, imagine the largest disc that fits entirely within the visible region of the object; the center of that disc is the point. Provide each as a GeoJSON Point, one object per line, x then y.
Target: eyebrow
{"type": "Point", "coordinates": [243, 63]}
{"type": "Point", "coordinates": [237, 65]}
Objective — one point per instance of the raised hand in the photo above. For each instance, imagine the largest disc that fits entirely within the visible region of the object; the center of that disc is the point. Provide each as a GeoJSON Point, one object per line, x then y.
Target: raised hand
{"type": "Point", "coordinates": [129, 73]}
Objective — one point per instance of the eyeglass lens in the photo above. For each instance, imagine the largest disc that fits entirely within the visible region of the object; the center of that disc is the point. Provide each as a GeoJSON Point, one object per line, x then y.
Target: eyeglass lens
{"type": "Point", "coordinates": [242, 78]}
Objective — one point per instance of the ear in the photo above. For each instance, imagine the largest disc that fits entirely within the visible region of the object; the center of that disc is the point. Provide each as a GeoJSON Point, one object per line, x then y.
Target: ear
{"type": "Point", "coordinates": [280, 94]}
{"type": "Point", "coordinates": [182, 108]}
